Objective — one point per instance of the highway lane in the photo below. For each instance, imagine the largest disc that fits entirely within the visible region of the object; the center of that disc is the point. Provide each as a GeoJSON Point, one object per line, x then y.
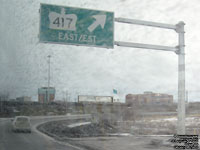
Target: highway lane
{"type": "Point", "coordinates": [37, 141]}
{"type": "Point", "coordinates": [26, 141]}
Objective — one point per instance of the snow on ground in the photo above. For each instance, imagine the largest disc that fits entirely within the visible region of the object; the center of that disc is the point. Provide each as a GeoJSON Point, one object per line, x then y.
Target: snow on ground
{"type": "Point", "coordinates": [189, 120]}
{"type": "Point", "coordinates": [165, 125]}
{"type": "Point", "coordinates": [78, 124]}
{"type": "Point", "coordinates": [121, 134]}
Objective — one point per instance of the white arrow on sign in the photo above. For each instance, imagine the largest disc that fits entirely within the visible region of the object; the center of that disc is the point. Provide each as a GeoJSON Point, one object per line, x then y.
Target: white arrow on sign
{"type": "Point", "coordinates": [100, 20]}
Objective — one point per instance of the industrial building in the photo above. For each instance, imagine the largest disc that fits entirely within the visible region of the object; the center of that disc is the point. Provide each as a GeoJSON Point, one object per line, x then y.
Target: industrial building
{"type": "Point", "coordinates": [4, 97]}
{"type": "Point", "coordinates": [148, 98]}
{"type": "Point", "coordinates": [23, 99]}
{"type": "Point", "coordinates": [46, 94]}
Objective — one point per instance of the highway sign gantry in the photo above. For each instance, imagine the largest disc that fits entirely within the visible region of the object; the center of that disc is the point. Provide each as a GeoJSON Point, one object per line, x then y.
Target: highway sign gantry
{"type": "Point", "coordinates": [76, 26]}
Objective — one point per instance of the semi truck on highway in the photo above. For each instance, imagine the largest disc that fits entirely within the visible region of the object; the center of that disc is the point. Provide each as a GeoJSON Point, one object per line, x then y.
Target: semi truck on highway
{"type": "Point", "coordinates": [95, 99]}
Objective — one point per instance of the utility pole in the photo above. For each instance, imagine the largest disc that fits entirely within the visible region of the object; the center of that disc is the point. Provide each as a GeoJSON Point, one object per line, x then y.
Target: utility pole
{"type": "Point", "coordinates": [187, 97]}
{"type": "Point", "coordinates": [1, 108]}
{"type": "Point", "coordinates": [49, 62]}
{"type": "Point", "coordinates": [66, 100]}
{"type": "Point", "coordinates": [76, 96]}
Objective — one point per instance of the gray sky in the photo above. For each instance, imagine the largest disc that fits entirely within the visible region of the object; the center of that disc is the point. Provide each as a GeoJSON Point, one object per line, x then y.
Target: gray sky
{"type": "Point", "coordinates": [86, 70]}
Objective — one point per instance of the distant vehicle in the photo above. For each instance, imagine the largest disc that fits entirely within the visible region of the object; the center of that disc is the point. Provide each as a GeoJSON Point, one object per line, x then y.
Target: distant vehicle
{"type": "Point", "coordinates": [21, 124]}
{"type": "Point", "coordinates": [95, 99]}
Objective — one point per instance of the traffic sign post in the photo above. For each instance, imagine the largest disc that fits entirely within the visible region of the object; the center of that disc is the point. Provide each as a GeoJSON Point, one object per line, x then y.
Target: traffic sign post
{"type": "Point", "coordinates": [179, 50]}
{"type": "Point", "coordinates": [76, 26]}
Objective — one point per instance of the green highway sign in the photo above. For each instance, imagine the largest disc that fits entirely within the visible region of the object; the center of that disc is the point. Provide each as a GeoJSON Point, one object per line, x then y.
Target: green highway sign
{"type": "Point", "coordinates": [77, 26]}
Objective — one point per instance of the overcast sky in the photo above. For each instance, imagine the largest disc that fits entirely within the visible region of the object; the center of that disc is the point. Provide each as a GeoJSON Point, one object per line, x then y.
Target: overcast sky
{"type": "Point", "coordinates": [96, 71]}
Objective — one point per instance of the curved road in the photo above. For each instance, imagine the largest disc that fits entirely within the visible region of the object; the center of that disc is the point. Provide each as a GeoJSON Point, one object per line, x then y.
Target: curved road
{"type": "Point", "coordinates": [25, 141]}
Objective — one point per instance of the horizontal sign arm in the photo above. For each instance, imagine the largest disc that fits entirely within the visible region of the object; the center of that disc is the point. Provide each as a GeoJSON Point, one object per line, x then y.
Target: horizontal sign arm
{"type": "Point", "coordinates": [146, 46]}
{"type": "Point", "coordinates": [146, 23]}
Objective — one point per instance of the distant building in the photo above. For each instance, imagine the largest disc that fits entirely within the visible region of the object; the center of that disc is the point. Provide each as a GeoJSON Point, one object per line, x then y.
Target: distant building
{"type": "Point", "coordinates": [149, 98]}
{"type": "Point", "coordinates": [23, 99]}
{"type": "Point", "coordinates": [4, 96]}
{"type": "Point", "coordinates": [46, 94]}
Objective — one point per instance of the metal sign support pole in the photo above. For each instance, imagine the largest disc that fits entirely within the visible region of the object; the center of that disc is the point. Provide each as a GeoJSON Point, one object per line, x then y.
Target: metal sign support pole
{"type": "Point", "coordinates": [179, 50]}
{"type": "Point", "coordinates": [181, 79]}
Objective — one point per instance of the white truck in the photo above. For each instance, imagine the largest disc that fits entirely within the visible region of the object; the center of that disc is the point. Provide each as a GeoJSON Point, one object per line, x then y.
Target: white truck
{"type": "Point", "coordinates": [95, 99]}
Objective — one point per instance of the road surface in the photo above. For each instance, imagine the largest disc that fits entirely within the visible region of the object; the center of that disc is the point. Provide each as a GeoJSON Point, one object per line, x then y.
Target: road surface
{"type": "Point", "coordinates": [26, 141]}
{"type": "Point", "coordinates": [38, 141]}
